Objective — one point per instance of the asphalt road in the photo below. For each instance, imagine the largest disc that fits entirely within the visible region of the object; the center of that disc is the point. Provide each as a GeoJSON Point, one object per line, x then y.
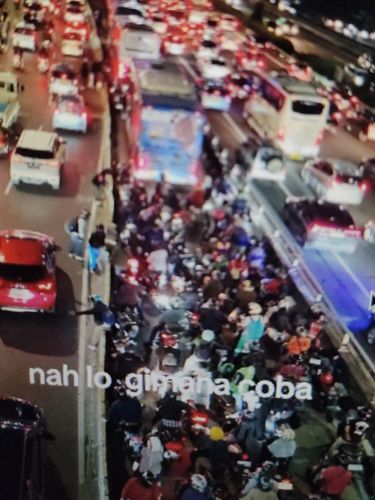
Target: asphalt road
{"type": "Point", "coordinates": [33, 340]}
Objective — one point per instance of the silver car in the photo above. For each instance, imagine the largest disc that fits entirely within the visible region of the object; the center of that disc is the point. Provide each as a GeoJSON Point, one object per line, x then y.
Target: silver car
{"type": "Point", "coordinates": [336, 181]}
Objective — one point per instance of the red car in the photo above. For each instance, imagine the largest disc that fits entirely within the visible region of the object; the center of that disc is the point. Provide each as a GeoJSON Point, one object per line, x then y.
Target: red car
{"type": "Point", "coordinates": [27, 271]}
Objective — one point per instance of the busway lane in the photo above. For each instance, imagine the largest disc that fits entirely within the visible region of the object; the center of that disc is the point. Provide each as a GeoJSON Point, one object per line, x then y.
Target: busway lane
{"type": "Point", "coordinates": [29, 340]}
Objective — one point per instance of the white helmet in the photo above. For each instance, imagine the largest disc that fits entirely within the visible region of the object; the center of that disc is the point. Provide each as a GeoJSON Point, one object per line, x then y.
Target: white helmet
{"type": "Point", "coordinates": [208, 336]}
{"type": "Point", "coordinates": [198, 482]}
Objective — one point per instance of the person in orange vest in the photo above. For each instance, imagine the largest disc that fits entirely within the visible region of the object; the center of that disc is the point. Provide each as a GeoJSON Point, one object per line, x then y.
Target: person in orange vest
{"type": "Point", "coordinates": [299, 343]}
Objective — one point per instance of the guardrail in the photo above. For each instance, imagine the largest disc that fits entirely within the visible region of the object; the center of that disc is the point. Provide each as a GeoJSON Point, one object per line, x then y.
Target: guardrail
{"type": "Point", "coordinates": [290, 253]}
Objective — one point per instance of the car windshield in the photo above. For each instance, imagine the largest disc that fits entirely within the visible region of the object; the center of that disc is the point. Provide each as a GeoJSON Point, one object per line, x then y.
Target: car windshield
{"type": "Point", "coordinates": [65, 75]}
{"type": "Point", "coordinates": [307, 107]}
{"type": "Point", "coordinates": [72, 36]}
{"type": "Point", "coordinates": [40, 154]}
{"type": "Point", "coordinates": [217, 62]}
{"type": "Point", "coordinates": [333, 214]}
{"type": "Point", "coordinates": [70, 105]}
{"type": "Point", "coordinates": [24, 31]}
{"type": "Point", "coordinates": [23, 274]}
{"type": "Point", "coordinates": [74, 9]}
{"type": "Point", "coordinates": [209, 44]}
{"type": "Point", "coordinates": [127, 11]}
{"type": "Point", "coordinates": [270, 154]}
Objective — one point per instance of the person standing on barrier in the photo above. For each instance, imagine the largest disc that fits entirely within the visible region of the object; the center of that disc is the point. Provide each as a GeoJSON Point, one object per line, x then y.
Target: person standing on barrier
{"type": "Point", "coordinates": [77, 230]}
{"type": "Point", "coordinates": [96, 243]}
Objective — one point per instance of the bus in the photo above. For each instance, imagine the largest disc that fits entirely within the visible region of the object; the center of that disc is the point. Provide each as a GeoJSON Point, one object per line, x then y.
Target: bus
{"type": "Point", "coordinates": [170, 125]}
{"type": "Point", "coordinates": [287, 111]}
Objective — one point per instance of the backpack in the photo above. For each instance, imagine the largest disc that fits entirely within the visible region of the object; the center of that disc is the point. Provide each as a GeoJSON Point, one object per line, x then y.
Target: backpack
{"type": "Point", "coordinates": [73, 225]}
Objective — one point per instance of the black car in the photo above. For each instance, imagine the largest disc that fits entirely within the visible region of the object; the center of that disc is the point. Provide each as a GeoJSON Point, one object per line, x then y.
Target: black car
{"type": "Point", "coordinates": [308, 219]}
{"type": "Point", "coordinates": [22, 437]}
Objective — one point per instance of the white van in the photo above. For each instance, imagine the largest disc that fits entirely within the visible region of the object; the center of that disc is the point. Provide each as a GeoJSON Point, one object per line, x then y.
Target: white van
{"type": "Point", "coordinates": [38, 159]}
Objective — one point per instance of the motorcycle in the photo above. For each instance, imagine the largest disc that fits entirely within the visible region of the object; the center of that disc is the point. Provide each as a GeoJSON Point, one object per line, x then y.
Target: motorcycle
{"type": "Point", "coordinates": [18, 62]}
{"type": "Point", "coordinates": [196, 422]}
{"type": "Point", "coordinates": [43, 64]}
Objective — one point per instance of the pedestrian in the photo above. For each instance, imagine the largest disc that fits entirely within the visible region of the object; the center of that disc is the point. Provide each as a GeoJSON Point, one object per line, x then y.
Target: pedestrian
{"type": "Point", "coordinates": [84, 71]}
{"type": "Point", "coordinates": [96, 244]}
{"type": "Point", "coordinates": [119, 258]}
{"type": "Point", "coordinates": [144, 487]}
{"type": "Point", "coordinates": [334, 480]}
{"type": "Point", "coordinates": [77, 230]}
{"type": "Point", "coordinates": [152, 454]}
{"type": "Point", "coordinates": [99, 181]}
{"type": "Point", "coordinates": [285, 446]}
{"type": "Point", "coordinates": [101, 312]}
{"type": "Point", "coordinates": [198, 489]}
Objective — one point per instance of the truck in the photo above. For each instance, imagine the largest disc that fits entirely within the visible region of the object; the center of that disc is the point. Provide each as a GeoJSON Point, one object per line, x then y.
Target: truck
{"type": "Point", "coordinates": [170, 126]}
{"type": "Point", "coordinates": [9, 104]}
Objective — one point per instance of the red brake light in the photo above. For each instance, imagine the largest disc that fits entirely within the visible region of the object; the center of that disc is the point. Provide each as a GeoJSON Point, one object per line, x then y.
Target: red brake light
{"type": "Point", "coordinates": [319, 138]}
{"type": "Point", "coordinates": [280, 135]}
{"type": "Point", "coordinates": [364, 186]}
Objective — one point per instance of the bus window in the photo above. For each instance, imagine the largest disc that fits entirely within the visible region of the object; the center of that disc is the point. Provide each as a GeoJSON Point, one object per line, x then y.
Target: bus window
{"type": "Point", "coordinates": [307, 107]}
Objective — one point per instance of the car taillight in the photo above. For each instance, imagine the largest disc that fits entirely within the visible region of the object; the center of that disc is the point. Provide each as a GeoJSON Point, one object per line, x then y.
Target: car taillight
{"type": "Point", "coordinates": [84, 116]}
{"type": "Point", "coordinates": [314, 228]}
{"type": "Point", "coordinates": [45, 286]}
{"type": "Point", "coordinates": [364, 186]}
{"type": "Point", "coordinates": [337, 180]}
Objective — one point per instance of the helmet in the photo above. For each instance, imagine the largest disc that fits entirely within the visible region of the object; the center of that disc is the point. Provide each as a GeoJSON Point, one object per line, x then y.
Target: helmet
{"type": "Point", "coordinates": [208, 336]}
{"type": "Point", "coordinates": [264, 483]}
{"type": "Point", "coordinates": [169, 360]}
{"type": "Point", "coordinates": [227, 368]}
{"type": "Point", "coordinates": [288, 434]}
{"type": "Point", "coordinates": [96, 298]}
{"type": "Point", "coordinates": [198, 482]}
{"type": "Point", "coordinates": [149, 477]}
{"type": "Point", "coordinates": [255, 308]}
{"type": "Point", "coordinates": [216, 433]}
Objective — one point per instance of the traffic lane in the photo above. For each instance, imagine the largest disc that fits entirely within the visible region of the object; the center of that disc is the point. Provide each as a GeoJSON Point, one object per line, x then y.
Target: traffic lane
{"type": "Point", "coordinates": [50, 341]}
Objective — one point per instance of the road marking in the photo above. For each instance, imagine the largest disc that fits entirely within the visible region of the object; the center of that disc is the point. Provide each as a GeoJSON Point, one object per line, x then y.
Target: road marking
{"type": "Point", "coordinates": [285, 189]}
{"type": "Point", "coordinates": [236, 128]}
{"type": "Point", "coordinates": [188, 67]}
{"type": "Point", "coordinates": [8, 188]}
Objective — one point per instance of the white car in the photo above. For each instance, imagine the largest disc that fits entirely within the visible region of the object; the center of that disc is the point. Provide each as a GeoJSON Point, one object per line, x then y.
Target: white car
{"type": "Point", "coordinates": [75, 27]}
{"type": "Point", "coordinates": [25, 37]}
{"type": "Point", "coordinates": [159, 24]}
{"type": "Point", "coordinates": [74, 14]}
{"type": "Point", "coordinates": [336, 181]}
{"type": "Point", "coordinates": [213, 69]}
{"type": "Point", "coordinates": [38, 158]}
{"type": "Point", "coordinates": [63, 81]}
{"type": "Point", "coordinates": [70, 114]}
{"type": "Point", "coordinates": [72, 45]}
{"type": "Point", "coordinates": [174, 45]}
{"type": "Point", "coordinates": [215, 97]}
{"type": "Point", "coordinates": [268, 163]}
{"type": "Point", "coordinates": [208, 48]}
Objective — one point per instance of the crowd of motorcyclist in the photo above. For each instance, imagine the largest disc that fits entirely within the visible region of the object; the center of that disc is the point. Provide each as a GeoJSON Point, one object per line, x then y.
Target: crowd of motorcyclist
{"type": "Point", "coordinates": [198, 292]}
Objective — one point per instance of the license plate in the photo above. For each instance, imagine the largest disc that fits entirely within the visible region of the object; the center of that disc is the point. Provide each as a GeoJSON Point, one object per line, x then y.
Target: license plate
{"type": "Point", "coordinates": [355, 467]}
{"type": "Point", "coordinates": [33, 165]}
{"type": "Point", "coordinates": [16, 293]}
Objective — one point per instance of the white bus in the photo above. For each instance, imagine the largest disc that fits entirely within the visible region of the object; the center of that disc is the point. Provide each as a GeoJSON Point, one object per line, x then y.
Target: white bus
{"type": "Point", "coordinates": [287, 111]}
{"type": "Point", "coordinates": [139, 42]}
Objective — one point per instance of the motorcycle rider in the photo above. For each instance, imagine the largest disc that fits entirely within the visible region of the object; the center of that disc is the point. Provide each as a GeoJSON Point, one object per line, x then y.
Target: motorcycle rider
{"type": "Point", "coordinates": [43, 60]}
{"type": "Point", "coordinates": [334, 480]}
{"type": "Point", "coordinates": [171, 411]}
{"type": "Point", "coordinates": [198, 489]}
{"type": "Point", "coordinates": [18, 62]}
{"type": "Point", "coordinates": [127, 410]}
{"type": "Point", "coordinates": [144, 487]}
{"type": "Point", "coordinates": [253, 329]}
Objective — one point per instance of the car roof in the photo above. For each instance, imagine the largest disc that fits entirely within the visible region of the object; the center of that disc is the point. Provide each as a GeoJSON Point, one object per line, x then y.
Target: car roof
{"type": "Point", "coordinates": [325, 210]}
{"type": "Point", "coordinates": [40, 140]}
{"type": "Point", "coordinates": [22, 247]}
{"type": "Point", "coordinates": [18, 410]}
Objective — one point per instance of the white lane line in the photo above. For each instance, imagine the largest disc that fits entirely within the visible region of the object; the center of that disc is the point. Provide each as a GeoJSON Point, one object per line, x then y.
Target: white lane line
{"type": "Point", "coordinates": [284, 188]}
{"type": "Point", "coordinates": [188, 67]}
{"type": "Point", "coordinates": [236, 128]}
{"type": "Point", "coordinates": [8, 188]}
